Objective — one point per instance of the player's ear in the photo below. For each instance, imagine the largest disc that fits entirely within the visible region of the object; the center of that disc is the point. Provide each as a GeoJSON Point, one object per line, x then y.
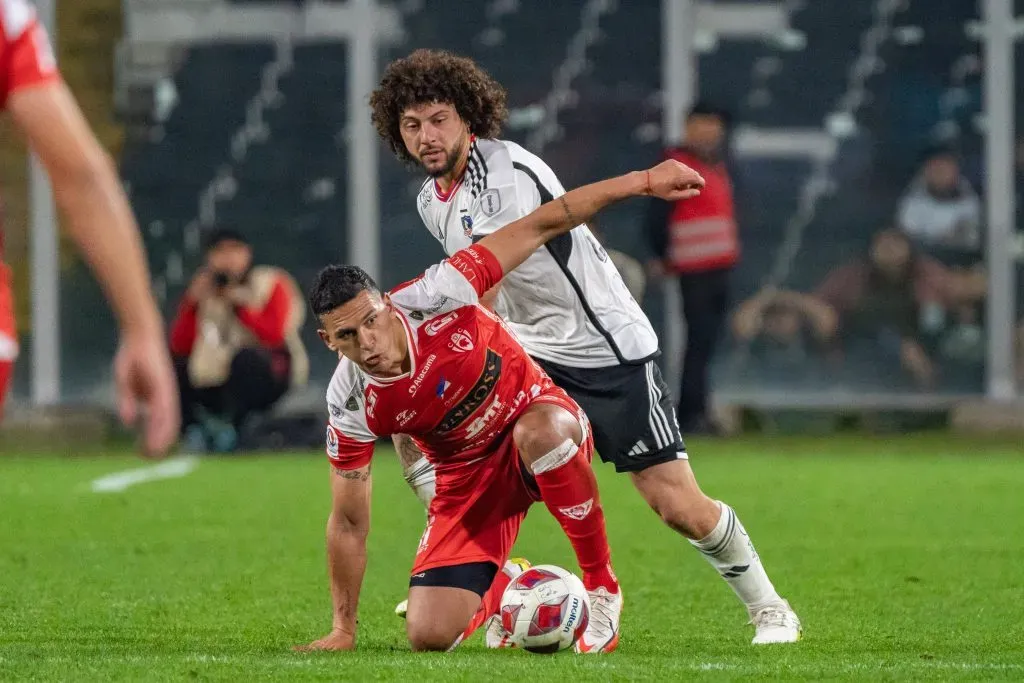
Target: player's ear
{"type": "Point", "coordinates": [322, 333]}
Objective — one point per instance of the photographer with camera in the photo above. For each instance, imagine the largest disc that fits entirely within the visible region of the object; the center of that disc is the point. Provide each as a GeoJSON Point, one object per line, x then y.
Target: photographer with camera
{"type": "Point", "coordinates": [235, 342]}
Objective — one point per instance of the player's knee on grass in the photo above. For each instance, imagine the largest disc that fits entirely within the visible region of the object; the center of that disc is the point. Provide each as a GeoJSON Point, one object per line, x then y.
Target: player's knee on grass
{"type": "Point", "coordinates": [543, 428]}
{"type": "Point", "coordinates": [438, 615]}
{"type": "Point", "coordinates": [430, 636]}
{"type": "Point", "coordinates": [673, 493]}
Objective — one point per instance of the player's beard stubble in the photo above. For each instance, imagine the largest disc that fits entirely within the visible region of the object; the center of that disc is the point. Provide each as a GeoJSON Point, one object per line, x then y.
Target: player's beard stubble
{"type": "Point", "coordinates": [452, 158]}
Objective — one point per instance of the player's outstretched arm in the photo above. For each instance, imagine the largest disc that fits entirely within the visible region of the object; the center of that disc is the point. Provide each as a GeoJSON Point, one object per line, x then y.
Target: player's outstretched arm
{"type": "Point", "coordinates": [347, 529]}
{"type": "Point", "coordinates": [513, 244]}
{"type": "Point", "coordinates": [100, 221]}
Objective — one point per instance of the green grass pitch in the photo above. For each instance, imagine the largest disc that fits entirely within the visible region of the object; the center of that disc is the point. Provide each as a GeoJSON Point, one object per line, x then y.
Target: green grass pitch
{"type": "Point", "coordinates": [904, 558]}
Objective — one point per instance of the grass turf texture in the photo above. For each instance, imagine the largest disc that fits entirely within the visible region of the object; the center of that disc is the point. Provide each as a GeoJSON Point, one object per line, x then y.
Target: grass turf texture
{"type": "Point", "coordinates": [903, 557]}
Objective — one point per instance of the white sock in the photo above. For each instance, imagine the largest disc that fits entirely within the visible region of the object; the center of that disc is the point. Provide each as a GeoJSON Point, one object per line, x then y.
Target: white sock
{"type": "Point", "coordinates": [420, 477]}
{"type": "Point", "coordinates": [729, 550]}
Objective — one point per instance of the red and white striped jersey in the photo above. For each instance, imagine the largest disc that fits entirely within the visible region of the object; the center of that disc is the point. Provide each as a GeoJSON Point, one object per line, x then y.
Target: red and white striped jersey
{"type": "Point", "coordinates": [26, 57]}
{"type": "Point", "coordinates": [468, 382]}
{"type": "Point", "coordinates": [26, 60]}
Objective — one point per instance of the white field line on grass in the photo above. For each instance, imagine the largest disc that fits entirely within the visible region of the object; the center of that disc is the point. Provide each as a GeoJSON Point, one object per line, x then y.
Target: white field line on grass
{"type": "Point", "coordinates": [171, 469]}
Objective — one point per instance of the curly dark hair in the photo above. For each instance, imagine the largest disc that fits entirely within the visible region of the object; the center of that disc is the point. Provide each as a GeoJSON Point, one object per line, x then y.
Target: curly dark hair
{"type": "Point", "coordinates": [427, 76]}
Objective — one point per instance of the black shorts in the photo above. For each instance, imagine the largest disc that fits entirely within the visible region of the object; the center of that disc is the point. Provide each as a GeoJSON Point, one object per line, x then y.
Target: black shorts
{"type": "Point", "coordinates": [473, 576]}
{"type": "Point", "coordinates": [630, 410]}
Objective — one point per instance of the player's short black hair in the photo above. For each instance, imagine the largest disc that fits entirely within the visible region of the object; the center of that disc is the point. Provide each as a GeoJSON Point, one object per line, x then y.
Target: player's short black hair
{"type": "Point", "coordinates": [337, 285]}
{"type": "Point", "coordinates": [705, 108]}
{"type": "Point", "coordinates": [427, 76]}
{"type": "Point", "coordinates": [222, 235]}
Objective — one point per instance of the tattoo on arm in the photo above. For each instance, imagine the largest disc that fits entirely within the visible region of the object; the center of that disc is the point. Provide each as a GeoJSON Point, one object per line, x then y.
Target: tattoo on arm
{"type": "Point", "coordinates": [354, 475]}
{"type": "Point", "coordinates": [408, 452]}
{"type": "Point", "coordinates": [568, 211]}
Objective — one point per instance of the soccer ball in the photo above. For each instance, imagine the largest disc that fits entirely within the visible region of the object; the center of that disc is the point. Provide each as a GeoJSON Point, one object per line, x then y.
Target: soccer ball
{"type": "Point", "coordinates": [545, 609]}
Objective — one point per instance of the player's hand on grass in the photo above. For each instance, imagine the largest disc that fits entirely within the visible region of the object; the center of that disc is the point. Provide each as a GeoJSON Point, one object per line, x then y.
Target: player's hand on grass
{"type": "Point", "coordinates": [672, 181]}
{"type": "Point", "coordinates": [147, 390]}
{"type": "Point", "coordinates": [337, 640]}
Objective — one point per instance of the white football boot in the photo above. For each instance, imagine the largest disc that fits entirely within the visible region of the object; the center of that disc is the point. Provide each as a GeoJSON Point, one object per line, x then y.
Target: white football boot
{"type": "Point", "coordinates": [602, 634]}
{"type": "Point", "coordinates": [776, 623]}
{"type": "Point", "coordinates": [495, 635]}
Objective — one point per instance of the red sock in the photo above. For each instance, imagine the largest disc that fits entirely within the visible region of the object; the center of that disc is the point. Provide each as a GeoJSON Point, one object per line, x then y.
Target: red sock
{"type": "Point", "coordinates": [489, 605]}
{"type": "Point", "coordinates": [569, 489]}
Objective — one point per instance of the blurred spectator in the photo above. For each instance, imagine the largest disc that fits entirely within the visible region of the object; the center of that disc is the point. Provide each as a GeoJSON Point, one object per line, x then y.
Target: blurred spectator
{"type": "Point", "coordinates": [235, 342]}
{"type": "Point", "coordinates": [940, 210]}
{"type": "Point", "coordinates": [697, 241]}
{"type": "Point", "coordinates": [888, 305]}
{"type": "Point", "coordinates": [784, 332]}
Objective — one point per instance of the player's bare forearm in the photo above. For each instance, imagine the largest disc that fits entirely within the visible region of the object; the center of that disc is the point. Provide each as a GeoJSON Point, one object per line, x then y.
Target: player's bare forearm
{"type": "Point", "coordinates": [86, 187]}
{"type": "Point", "coordinates": [347, 530]}
{"type": "Point", "coordinates": [490, 298]}
{"type": "Point", "coordinates": [513, 244]}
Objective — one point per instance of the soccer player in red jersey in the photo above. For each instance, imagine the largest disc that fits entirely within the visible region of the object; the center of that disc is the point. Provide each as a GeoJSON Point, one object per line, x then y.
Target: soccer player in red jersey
{"type": "Point", "coordinates": [443, 113]}
{"type": "Point", "coordinates": [427, 360]}
{"type": "Point", "coordinates": [99, 220]}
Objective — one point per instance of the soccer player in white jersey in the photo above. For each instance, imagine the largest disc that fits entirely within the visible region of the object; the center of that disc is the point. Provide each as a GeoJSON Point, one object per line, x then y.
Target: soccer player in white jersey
{"type": "Point", "coordinates": [567, 305]}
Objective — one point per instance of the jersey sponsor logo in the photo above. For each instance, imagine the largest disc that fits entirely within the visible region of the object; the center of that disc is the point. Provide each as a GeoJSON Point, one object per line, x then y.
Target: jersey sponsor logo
{"type": "Point", "coordinates": [404, 417]}
{"type": "Point", "coordinates": [578, 511]}
{"type": "Point", "coordinates": [476, 396]}
{"type": "Point", "coordinates": [490, 202]}
{"type": "Point", "coordinates": [334, 410]}
{"type": "Point", "coordinates": [482, 422]}
{"type": "Point", "coordinates": [371, 402]}
{"type": "Point", "coordinates": [426, 195]}
{"type": "Point", "coordinates": [460, 341]}
{"type": "Point", "coordinates": [517, 402]}
{"type": "Point", "coordinates": [467, 226]}
{"type": "Point", "coordinates": [436, 325]}
{"type": "Point", "coordinates": [332, 442]}
{"type": "Point", "coordinates": [417, 381]}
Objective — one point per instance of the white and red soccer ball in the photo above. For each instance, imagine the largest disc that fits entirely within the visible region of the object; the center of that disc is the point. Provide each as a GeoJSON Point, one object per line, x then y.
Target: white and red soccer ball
{"type": "Point", "coordinates": [545, 609]}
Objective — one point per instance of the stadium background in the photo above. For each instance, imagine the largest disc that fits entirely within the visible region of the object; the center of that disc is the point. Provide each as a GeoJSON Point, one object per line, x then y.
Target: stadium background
{"type": "Point", "coordinates": [248, 115]}
{"type": "Point", "coordinates": [901, 553]}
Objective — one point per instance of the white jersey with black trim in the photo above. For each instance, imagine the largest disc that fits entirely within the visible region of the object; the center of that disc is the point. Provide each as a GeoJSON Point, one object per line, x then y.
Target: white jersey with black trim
{"type": "Point", "coordinates": [567, 303]}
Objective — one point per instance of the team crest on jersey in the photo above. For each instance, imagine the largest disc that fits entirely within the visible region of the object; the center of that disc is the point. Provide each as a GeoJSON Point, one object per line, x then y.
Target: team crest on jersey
{"type": "Point", "coordinates": [467, 226]}
{"type": "Point", "coordinates": [351, 404]}
{"type": "Point", "coordinates": [332, 443]}
{"type": "Point", "coordinates": [460, 341]}
{"type": "Point", "coordinates": [416, 315]}
{"type": "Point", "coordinates": [490, 202]}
